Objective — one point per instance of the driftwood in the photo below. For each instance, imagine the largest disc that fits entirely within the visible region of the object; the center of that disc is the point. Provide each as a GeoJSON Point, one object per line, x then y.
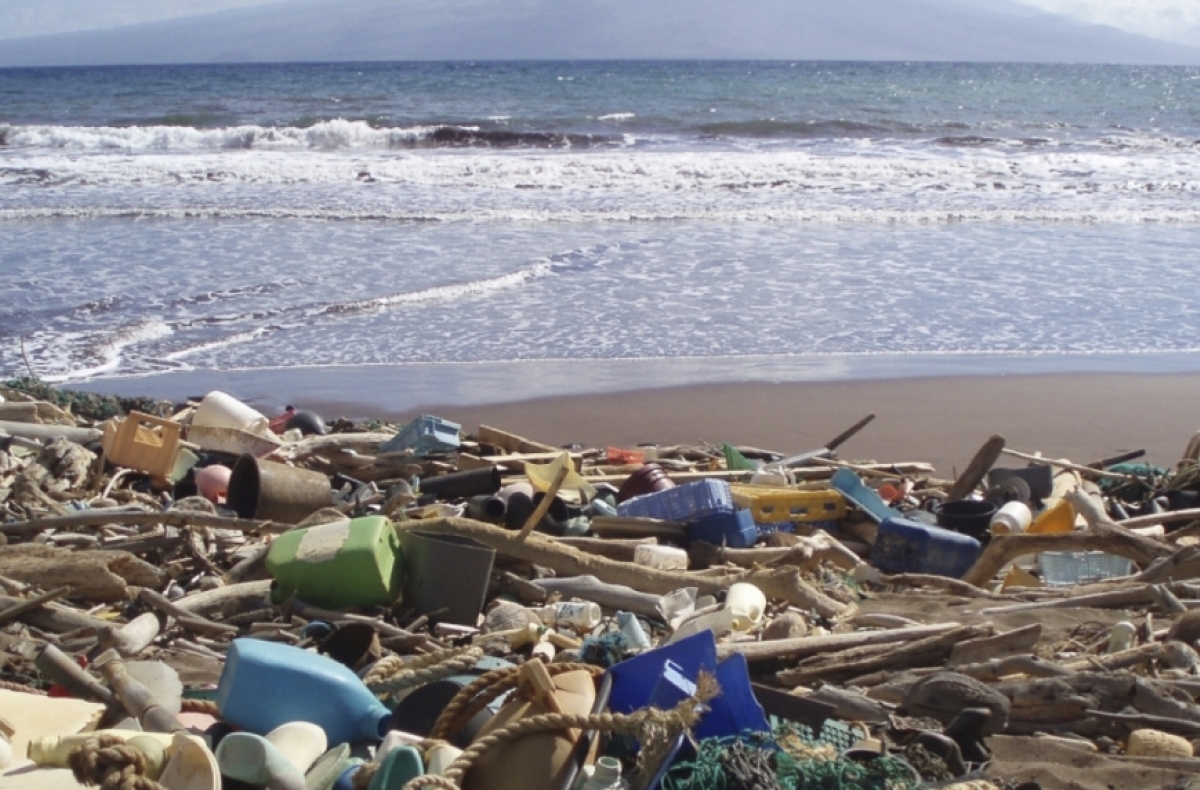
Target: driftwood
{"type": "Point", "coordinates": [1183, 564]}
{"type": "Point", "coordinates": [997, 668]}
{"type": "Point", "coordinates": [985, 458]}
{"type": "Point", "coordinates": [806, 553]}
{"type": "Point", "coordinates": [784, 584]}
{"type": "Point", "coordinates": [1190, 514]}
{"type": "Point", "coordinates": [53, 618]}
{"type": "Point", "coordinates": [511, 442]}
{"type": "Point", "coordinates": [1117, 598]}
{"type": "Point", "coordinates": [316, 445]}
{"type": "Point", "coordinates": [954, 586]}
{"type": "Point", "coordinates": [852, 705]}
{"type": "Point", "coordinates": [1012, 643]}
{"type": "Point", "coordinates": [13, 612]}
{"type": "Point", "coordinates": [619, 550]}
{"type": "Point", "coordinates": [93, 575]}
{"type": "Point", "coordinates": [107, 516]}
{"type": "Point", "coordinates": [811, 645]}
{"type": "Point", "coordinates": [859, 661]}
{"type": "Point", "coordinates": [1102, 537]}
{"type": "Point", "coordinates": [1115, 661]}
{"type": "Point", "coordinates": [137, 700]}
{"type": "Point", "coordinates": [189, 620]}
{"type": "Point", "coordinates": [1085, 471]}
{"type": "Point", "coordinates": [62, 669]}
{"type": "Point", "coordinates": [233, 598]}
{"type": "Point", "coordinates": [610, 596]}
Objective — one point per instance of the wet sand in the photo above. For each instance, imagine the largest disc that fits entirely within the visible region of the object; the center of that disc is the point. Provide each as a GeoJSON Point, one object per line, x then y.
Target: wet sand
{"type": "Point", "coordinates": [940, 420]}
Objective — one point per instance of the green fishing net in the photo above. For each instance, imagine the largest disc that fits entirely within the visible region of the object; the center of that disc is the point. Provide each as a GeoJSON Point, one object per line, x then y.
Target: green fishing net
{"type": "Point", "coordinates": [780, 761]}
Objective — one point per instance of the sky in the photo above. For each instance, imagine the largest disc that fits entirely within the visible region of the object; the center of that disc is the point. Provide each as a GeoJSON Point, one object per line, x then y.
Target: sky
{"type": "Point", "coordinates": [1174, 20]}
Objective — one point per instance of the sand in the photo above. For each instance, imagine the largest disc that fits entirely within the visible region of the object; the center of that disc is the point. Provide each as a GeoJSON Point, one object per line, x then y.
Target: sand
{"type": "Point", "coordinates": [938, 419]}
{"type": "Point", "coordinates": [942, 421]}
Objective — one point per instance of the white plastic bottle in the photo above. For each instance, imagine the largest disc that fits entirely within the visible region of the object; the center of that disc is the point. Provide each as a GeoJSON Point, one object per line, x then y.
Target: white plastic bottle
{"type": "Point", "coordinates": [579, 615]}
{"type": "Point", "coordinates": [604, 775]}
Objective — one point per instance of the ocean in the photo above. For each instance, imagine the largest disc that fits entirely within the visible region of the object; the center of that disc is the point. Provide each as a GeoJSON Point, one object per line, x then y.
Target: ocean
{"type": "Point", "coordinates": [471, 232]}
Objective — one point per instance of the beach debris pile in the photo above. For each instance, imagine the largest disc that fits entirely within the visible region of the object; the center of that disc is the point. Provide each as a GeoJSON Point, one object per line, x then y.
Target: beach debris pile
{"type": "Point", "coordinates": [204, 596]}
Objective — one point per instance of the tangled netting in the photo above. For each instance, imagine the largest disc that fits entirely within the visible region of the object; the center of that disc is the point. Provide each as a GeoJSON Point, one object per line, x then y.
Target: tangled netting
{"type": "Point", "coordinates": [89, 404]}
{"type": "Point", "coordinates": [778, 761]}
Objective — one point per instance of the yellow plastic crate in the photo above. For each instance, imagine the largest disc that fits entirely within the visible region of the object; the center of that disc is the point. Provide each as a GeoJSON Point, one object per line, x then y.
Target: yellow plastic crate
{"type": "Point", "coordinates": [773, 505]}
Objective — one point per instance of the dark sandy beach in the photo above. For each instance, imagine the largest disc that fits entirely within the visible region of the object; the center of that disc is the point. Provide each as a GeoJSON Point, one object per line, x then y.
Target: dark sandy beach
{"type": "Point", "coordinates": [941, 420]}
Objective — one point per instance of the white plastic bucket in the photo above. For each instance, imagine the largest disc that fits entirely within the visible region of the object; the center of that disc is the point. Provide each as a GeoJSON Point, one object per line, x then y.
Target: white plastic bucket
{"type": "Point", "coordinates": [219, 410]}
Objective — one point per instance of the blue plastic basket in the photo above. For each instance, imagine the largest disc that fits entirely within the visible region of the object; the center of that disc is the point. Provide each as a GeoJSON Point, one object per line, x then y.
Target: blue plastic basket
{"type": "Point", "coordinates": [424, 436]}
{"type": "Point", "coordinates": [689, 502]}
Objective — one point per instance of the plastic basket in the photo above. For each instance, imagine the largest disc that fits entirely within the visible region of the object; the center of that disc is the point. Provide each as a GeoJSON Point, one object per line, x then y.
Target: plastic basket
{"type": "Point", "coordinates": [142, 442]}
{"type": "Point", "coordinates": [1064, 568]}
{"type": "Point", "coordinates": [425, 435]}
{"type": "Point", "coordinates": [690, 502]}
{"type": "Point", "coordinates": [771, 505]}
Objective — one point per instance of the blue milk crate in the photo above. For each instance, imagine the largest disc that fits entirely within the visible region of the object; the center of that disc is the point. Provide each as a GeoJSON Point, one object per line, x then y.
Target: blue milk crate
{"type": "Point", "coordinates": [688, 502]}
{"type": "Point", "coordinates": [424, 436]}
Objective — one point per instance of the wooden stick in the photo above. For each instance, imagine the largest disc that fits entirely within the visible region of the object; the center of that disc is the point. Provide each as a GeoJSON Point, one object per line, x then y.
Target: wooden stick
{"type": "Point", "coordinates": [1080, 468]}
{"type": "Point", "coordinates": [137, 700]}
{"type": "Point", "coordinates": [13, 612]}
{"type": "Point", "coordinates": [1190, 514]}
{"type": "Point", "coordinates": [849, 433]}
{"type": "Point", "coordinates": [811, 645]}
{"type": "Point", "coordinates": [610, 596]}
{"type": "Point", "coordinates": [985, 458]}
{"type": "Point", "coordinates": [847, 664]}
{"type": "Point", "coordinates": [62, 669]}
{"type": "Point", "coordinates": [543, 507]}
{"type": "Point", "coordinates": [189, 620]}
{"type": "Point", "coordinates": [997, 668]}
{"type": "Point", "coordinates": [1131, 597]}
{"type": "Point", "coordinates": [104, 517]}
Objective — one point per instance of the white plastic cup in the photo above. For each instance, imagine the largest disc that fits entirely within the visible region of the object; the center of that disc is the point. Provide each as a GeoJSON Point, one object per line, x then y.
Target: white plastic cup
{"type": "Point", "coordinates": [219, 410]}
{"type": "Point", "coordinates": [747, 604]}
{"type": "Point", "coordinates": [1011, 519]}
{"type": "Point", "coordinates": [667, 558]}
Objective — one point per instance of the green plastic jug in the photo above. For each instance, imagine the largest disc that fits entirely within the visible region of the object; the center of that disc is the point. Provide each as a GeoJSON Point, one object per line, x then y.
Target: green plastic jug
{"type": "Point", "coordinates": [340, 565]}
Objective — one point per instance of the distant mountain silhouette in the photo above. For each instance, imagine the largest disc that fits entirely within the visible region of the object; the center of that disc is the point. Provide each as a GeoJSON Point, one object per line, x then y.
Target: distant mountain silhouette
{"type": "Point", "coordinates": [340, 30]}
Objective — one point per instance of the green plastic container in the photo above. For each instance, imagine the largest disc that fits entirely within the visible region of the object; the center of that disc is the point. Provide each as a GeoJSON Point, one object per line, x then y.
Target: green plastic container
{"type": "Point", "coordinates": [340, 565]}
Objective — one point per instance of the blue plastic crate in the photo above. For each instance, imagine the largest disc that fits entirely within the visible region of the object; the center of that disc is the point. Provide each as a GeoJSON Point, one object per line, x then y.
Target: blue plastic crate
{"type": "Point", "coordinates": [424, 436]}
{"type": "Point", "coordinates": [735, 530]}
{"type": "Point", "coordinates": [685, 503]}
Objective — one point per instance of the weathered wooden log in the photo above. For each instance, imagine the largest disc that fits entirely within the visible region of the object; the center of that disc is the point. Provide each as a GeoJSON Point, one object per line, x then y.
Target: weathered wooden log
{"type": "Point", "coordinates": [860, 661]}
{"type": "Point", "coordinates": [954, 586]}
{"type": "Point", "coordinates": [610, 596]}
{"type": "Point", "coordinates": [1128, 597]}
{"type": "Point", "coordinates": [1137, 720]}
{"type": "Point", "coordinates": [1012, 643]}
{"type": "Point", "coordinates": [93, 575]}
{"type": "Point", "coordinates": [53, 618]}
{"type": "Point", "coordinates": [1116, 661]}
{"type": "Point", "coordinates": [107, 516]}
{"type": "Point", "coordinates": [784, 584]}
{"type": "Point", "coordinates": [1183, 564]}
{"type": "Point", "coordinates": [985, 458]}
{"type": "Point", "coordinates": [317, 445]}
{"type": "Point", "coordinates": [24, 607]}
{"type": "Point", "coordinates": [231, 599]}
{"type": "Point", "coordinates": [511, 442]}
{"type": "Point", "coordinates": [806, 552]}
{"type": "Point", "coordinates": [1102, 537]}
{"type": "Point", "coordinates": [849, 433]}
{"type": "Point", "coordinates": [811, 645]}
{"type": "Point", "coordinates": [851, 705]}
{"type": "Point", "coordinates": [997, 668]}
{"type": "Point", "coordinates": [619, 550]}
{"type": "Point", "coordinates": [186, 619]}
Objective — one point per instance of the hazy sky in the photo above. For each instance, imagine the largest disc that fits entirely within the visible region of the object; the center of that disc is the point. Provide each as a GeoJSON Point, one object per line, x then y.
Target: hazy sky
{"type": "Point", "coordinates": [1177, 20]}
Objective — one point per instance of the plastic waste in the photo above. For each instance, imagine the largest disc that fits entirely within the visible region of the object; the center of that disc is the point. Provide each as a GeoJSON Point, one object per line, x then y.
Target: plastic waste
{"type": "Point", "coordinates": [903, 546]}
{"type": "Point", "coordinates": [425, 435]}
{"type": "Point", "coordinates": [604, 775]}
{"type": "Point", "coordinates": [397, 768]}
{"type": "Point", "coordinates": [747, 604]}
{"type": "Point", "coordinates": [213, 483]}
{"type": "Point", "coordinates": [302, 742]}
{"type": "Point", "coordinates": [578, 615]}
{"type": "Point", "coordinates": [1012, 518]}
{"type": "Point", "coordinates": [575, 489]}
{"type": "Point", "coordinates": [219, 410]}
{"type": "Point", "coordinates": [1122, 637]}
{"type": "Point", "coordinates": [254, 760]}
{"type": "Point", "coordinates": [667, 558]}
{"type": "Point", "coordinates": [1059, 517]}
{"type": "Point", "coordinates": [342, 564]}
{"type": "Point", "coordinates": [631, 629]}
{"type": "Point", "coordinates": [441, 757]}
{"type": "Point", "coordinates": [265, 684]}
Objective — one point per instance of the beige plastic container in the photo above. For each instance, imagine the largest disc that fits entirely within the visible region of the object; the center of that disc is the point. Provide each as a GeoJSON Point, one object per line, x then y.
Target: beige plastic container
{"type": "Point", "coordinates": [667, 558]}
{"type": "Point", "coordinates": [1011, 519]}
{"type": "Point", "coordinates": [219, 410]}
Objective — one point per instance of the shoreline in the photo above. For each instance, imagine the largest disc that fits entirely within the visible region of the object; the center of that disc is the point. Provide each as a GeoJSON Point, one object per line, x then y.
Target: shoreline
{"type": "Point", "coordinates": [939, 419]}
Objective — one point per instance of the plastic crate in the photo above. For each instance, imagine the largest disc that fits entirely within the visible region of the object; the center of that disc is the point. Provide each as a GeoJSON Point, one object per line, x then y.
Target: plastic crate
{"type": "Point", "coordinates": [771, 505]}
{"type": "Point", "coordinates": [1065, 568]}
{"type": "Point", "coordinates": [424, 436]}
{"type": "Point", "coordinates": [688, 502]}
{"type": "Point", "coordinates": [735, 530]}
{"type": "Point", "coordinates": [142, 442]}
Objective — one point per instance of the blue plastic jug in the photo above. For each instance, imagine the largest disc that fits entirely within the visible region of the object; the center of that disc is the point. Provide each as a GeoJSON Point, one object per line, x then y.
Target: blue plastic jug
{"type": "Point", "coordinates": [266, 684]}
{"type": "Point", "coordinates": [904, 546]}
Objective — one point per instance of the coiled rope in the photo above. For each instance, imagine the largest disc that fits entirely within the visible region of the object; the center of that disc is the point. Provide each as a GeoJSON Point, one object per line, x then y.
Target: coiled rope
{"type": "Point", "coordinates": [111, 764]}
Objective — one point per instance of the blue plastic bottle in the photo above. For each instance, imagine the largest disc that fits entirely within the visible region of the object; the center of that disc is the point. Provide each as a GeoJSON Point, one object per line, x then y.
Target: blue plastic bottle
{"type": "Point", "coordinates": [266, 684]}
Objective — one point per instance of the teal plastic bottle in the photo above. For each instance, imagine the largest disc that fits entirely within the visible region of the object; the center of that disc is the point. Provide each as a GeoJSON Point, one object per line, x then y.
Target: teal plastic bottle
{"type": "Point", "coordinates": [266, 684]}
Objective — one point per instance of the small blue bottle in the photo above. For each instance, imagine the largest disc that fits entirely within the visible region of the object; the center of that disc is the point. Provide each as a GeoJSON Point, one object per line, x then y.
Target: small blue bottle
{"type": "Point", "coordinates": [266, 684]}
